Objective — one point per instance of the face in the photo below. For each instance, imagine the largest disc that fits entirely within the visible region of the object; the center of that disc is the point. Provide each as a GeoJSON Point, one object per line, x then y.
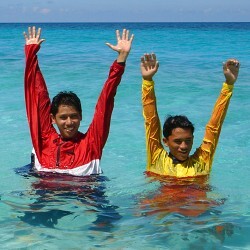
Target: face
{"type": "Point", "coordinates": [180, 143]}
{"type": "Point", "coordinates": [67, 120]}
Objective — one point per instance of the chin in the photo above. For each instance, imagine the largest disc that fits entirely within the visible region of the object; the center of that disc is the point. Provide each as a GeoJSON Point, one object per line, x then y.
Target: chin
{"type": "Point", "coordinates": [182, 158]}
{"type": "Point", "coordinates": [68, 137]}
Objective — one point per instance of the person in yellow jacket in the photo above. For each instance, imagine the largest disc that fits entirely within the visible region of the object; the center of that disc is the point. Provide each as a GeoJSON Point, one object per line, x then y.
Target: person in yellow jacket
{"type": "Point", "coordinates": [178, 130]}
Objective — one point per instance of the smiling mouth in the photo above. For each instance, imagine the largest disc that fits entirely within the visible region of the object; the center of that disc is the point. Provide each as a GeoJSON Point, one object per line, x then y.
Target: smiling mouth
{"type": "Point", "coordinates": [183, 152]}
{"type": "Point", "coordinates": [69, 129]}
{"type": "Point", "coordinates": [183, 155]}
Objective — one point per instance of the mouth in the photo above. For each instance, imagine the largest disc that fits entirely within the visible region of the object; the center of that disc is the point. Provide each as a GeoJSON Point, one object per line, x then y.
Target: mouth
{"type": "Point", "coordinates": [183, 155]}
{"type": "Point", "coordinates": [69, 130]}
{"type": "Point", "coordinates": [183, 152]}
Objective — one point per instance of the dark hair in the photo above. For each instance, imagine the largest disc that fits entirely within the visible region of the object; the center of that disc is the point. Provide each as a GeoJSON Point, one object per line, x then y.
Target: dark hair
{"type": "Point", "coordinates": [178, 121]}
{"type": "Point", "coordinates": [65, 98]}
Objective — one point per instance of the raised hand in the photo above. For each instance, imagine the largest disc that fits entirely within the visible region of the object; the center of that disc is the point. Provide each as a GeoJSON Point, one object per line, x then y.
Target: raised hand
{"type": "Point", "coordinates": [33, 37]}
{"type": "Point", "coordinates": [231, 70]}
{"type": "Point", "coordinates": [149, 66]}
{"type": "Point", "coordinates": [123, 45]}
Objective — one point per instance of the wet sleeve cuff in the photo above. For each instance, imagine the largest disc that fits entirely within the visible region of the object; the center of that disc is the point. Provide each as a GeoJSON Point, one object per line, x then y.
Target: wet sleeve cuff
{"type": "Point", "coordinates": [121, 63]}
{"type": "Point", "coordinates": [147, 83]}
{"type": "Point", "coordinates": [227, 87]}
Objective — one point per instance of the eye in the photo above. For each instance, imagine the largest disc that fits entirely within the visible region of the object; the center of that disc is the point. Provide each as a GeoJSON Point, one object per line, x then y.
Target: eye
{"type": "Point", "coordinates": [178, 142]}
{"type": "Point", "coordinates": [63, 117]}
{"type": "Point", "coordinates": [74, 116]}
{"type": "Point", "coordinates": [189, 141]}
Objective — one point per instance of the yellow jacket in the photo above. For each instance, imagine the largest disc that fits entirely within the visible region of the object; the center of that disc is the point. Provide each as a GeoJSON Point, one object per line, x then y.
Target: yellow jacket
{"type": "Point", "coordinates": [200, 163]}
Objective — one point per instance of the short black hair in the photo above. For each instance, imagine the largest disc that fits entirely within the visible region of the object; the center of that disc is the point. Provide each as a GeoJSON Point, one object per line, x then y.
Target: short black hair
{"type": "Point", "coordinates": [65, 98]}
{"type": "Point", "coordinates": [177, 121]}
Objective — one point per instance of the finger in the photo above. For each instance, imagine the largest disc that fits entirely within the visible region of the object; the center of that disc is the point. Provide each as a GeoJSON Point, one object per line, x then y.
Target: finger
{"type": "Point", "coordinates": [110, 45]}
{"type": "Point", "coordinates": [29, 30]}
{"type": "Point", "coordinates": [118, 35]}
{"type": "Point", "coordinates": [131, 38]}
{"type": "Point", "coordinates": [151, 61]}
{"type": "Point", "coordinates": [147, 57]}
{"type": "Point", "coordinates": [153, 56]}
{"type": "Point", "coordinates": [40, 41]}
{"type": "Point", "coordinates": [25, 36]}
{"type": "Point", "coordinates": [33, 32]}
{"type": "Point", "coordinates": [237, 63]}
{"type": "Point", "coordinates": [124, 34]}
{"type": "Point", "coordinates": [157, 65]}
{"type": "Point", "coordinates": [144, 64]}
{"type": "Point", "coordinates": [127, 35]}
{"type": "Point", "coordinates": [38, 33]}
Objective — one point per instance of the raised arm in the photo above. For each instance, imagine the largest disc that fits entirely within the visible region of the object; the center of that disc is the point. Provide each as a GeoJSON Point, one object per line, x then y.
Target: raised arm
{"type": "Point", "coordinates": [213, 128]}
{"type": "Point", "coordinates": [231, 71]}
{"type": "Point", "coordinates": [149, 67]}
{"type": "Point", "coordinates": [99, 128]}
{"type": "Point", "coordinates": [36, 94]}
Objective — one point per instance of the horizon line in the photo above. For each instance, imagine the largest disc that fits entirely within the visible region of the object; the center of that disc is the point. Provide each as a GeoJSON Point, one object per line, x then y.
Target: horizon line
{"type": "Point", "coordinates": [125, 22]}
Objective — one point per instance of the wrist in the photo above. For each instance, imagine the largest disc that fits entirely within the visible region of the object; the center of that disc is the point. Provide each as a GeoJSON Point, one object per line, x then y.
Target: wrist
{"type": "Point", "coordinates": [122, 57]}
{"type": "Point", "coordinates": [147, 78]}
{"type": "Point", "coordinates": [230, 82]}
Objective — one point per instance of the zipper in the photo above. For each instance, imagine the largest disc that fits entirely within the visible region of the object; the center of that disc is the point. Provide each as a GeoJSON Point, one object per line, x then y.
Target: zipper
{"type": "Point", "coordinates": [58, 155]}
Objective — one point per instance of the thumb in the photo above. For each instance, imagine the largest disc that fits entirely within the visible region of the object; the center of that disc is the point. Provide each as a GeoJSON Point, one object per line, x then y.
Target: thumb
{"type": "Point", "coordinates": [41, 41]}
{"type": "Point", "coordinates": [109, 45]}
{"type": "Point", "coordinates": [115, 48]}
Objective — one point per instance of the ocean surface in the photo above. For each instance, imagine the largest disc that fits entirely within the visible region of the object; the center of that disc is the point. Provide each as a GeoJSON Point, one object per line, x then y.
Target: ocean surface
{"type": "Point", "coordinates": [124, 208]}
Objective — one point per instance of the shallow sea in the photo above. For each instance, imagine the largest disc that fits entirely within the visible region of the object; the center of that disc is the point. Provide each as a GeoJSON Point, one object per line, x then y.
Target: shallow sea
{"type": "Point", "coordinates": [123, 208]}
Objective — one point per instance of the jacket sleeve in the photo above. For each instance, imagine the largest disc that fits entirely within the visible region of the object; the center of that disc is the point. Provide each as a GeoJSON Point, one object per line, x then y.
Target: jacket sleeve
{"type": "Point", "coordinates": [213, 127]}
{"type": "Point", "coordinates": [152, 122]}
{"type": "Point", "coordinates": [36, 99]}
{"type": "Point", "coordinates": [99, 127]}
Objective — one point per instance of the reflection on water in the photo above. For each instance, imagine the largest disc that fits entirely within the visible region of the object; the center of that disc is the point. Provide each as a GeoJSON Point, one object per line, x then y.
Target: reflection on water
{"type": "Point", "coordinates": [185, 207]}
{"type": "Point", "coordinates": [52, 192]}
{"type": "Point", "coordinates": [184, 196]}
{"type": "Point", "coordinates": [164, 213]}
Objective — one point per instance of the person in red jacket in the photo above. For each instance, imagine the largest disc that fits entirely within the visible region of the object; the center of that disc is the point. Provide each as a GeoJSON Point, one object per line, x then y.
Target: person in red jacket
{"type": "Point", "coordinates": [70, 151]}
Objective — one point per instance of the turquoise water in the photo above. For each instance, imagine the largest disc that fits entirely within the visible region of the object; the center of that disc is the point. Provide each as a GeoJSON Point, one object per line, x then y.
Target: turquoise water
{"type": "Point", "coordinates": [124, 208]}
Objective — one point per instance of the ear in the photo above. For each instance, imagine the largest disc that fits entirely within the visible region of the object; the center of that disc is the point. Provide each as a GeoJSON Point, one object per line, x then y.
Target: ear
{"type": "Point", "coordinates": [53, 119]}
{"type": "Point", "coordinates": [165, 141]}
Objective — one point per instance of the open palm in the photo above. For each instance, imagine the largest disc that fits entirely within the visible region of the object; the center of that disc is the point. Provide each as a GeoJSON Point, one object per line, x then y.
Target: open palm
{"type": "Point", "coordinates": [33, 37]}
{"type": "Point", "coordinates": [123, 42]}
{"type": "Point", "coordinates": [149, 66]}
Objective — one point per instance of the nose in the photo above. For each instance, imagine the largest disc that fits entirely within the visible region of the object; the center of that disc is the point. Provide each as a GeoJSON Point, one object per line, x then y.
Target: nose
{"type": "Point", "coordinates": [183, 145]}
{"type": "Point", "coordinates": [69, 121]}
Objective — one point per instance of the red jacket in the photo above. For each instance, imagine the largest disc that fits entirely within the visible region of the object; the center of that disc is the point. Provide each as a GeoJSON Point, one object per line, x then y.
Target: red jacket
{"type": "Point", "coordinates": [81, 155]}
